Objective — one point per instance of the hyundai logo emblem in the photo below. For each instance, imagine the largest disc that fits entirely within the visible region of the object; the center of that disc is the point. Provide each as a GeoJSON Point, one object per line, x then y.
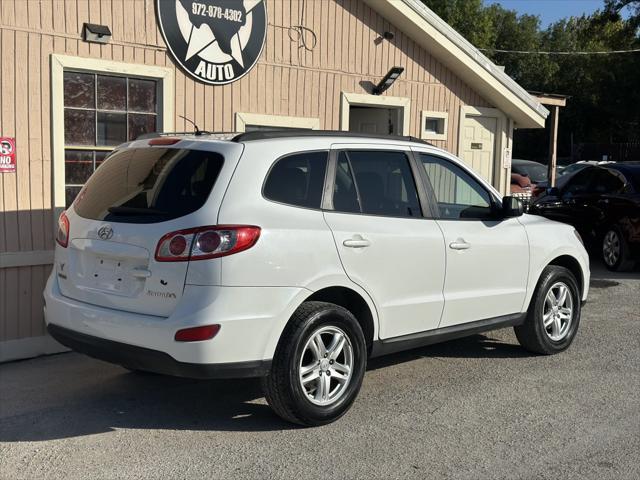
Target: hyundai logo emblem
{"type": "Point", "coordinates": [105, 232]}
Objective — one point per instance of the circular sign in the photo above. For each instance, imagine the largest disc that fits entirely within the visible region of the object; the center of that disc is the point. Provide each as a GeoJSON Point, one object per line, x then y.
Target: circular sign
{"type": "Point", "coordinates": [215, 41]}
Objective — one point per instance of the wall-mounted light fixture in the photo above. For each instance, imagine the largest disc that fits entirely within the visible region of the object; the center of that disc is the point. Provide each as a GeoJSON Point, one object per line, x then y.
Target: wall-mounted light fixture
{"type": "Point", "coordinates": [388, 80]}
{"type": "Point", "coordinates": [96, 33]}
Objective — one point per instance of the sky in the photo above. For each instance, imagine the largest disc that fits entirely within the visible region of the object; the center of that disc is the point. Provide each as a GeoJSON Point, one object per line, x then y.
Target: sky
{"type": "Point", "coordinates": [551, 10]}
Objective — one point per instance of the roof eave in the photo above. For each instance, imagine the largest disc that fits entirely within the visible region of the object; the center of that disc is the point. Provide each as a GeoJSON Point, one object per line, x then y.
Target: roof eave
{"type": "Point", "coordinates": [463, 59]}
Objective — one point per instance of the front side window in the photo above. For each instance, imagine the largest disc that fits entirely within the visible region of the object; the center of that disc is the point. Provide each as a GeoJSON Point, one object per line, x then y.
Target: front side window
{"type": "Point", "coordinates": [297, 179]}
{"type": "Point", "coordinates": [375, 183]}
{"type": "Point", "coordinates": [101, 112]}
{"type": "Point", "coordinates": [458, 194]}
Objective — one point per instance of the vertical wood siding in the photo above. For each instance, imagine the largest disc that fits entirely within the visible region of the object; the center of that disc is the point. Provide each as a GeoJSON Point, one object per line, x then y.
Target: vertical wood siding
{"type": "Point", "coordinates": [288, 80]}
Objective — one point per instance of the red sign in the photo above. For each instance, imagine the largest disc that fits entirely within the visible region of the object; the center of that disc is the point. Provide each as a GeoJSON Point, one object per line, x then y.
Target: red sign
{"type": "Point", "coordinates": [7, 155]}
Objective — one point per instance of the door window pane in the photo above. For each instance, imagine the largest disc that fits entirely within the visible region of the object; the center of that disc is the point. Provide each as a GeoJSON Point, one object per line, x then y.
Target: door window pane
{"type": "Point", "coordinates": [79, 127]}
{"type": "Point", "coordinates": [112, 93]}
{"type": "Point", "coordinates": [458, 194]}
{"type": "Point", "coordinates": [385, 183]}
{"type": "Point", "coordinates": [79, 90]}
{"type": "Point", "coordinates": [142, 95]}
{"type": "Point", "coordinates": [140, 123]}
{"type": "Point", "coordinates": [345, 196]}
{"type": "Point", "coordinates": [112, 128]}
{"type": "Point", "coordinates": [298, 180]}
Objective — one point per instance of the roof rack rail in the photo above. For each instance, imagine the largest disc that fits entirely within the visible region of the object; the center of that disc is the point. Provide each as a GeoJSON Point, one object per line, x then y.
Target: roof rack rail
{"type": "Point", "coordinates": [290, 132]}
{"type": "Point", "coordinates": [199, 133]}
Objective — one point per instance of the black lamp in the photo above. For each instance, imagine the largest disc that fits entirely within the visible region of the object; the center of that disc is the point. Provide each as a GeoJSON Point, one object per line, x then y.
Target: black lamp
{"type": "Point", "coordinates": [96, 33]}
{"type": "Point", "coordinates": [388, 80]}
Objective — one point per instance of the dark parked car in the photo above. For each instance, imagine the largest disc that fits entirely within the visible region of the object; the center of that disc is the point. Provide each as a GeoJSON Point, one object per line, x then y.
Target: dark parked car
{"type": "Point", "coordinates": [603, 204]}
{"type": "Point", "coordinates": [537, 172]}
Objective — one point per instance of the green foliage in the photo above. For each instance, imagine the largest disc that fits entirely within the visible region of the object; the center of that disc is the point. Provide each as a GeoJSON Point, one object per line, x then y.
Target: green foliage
{"type": "Point", "coordinates": [604, 89]}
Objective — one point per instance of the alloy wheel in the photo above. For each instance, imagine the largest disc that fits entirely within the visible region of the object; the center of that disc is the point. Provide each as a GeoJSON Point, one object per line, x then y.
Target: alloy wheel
{"type": "Point", "coordinates": [558, 311]}
{"type": "Point", "coordinates": [611, 248]}
{"type": "Point", "coordinates": [326, 365]}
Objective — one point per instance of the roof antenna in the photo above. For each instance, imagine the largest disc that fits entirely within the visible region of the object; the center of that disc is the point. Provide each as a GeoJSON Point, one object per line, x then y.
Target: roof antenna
{"type": "Point", "coordinates": [197, 130]}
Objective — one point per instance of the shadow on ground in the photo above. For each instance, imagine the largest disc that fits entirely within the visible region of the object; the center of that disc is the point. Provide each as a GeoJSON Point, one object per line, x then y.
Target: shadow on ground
{"type": "Point", "coordinates": [69, 395]}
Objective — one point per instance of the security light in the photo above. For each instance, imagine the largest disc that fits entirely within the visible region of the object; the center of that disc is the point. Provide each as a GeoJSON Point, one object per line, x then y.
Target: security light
{"type": "Point", "coordinates": [388, 80]}
{"type": "Point", "coordinates": [96, 33]}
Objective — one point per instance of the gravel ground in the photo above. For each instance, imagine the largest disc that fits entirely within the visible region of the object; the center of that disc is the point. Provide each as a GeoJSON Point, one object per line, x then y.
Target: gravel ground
{"type": "Point", "coordinates": [475, 408]}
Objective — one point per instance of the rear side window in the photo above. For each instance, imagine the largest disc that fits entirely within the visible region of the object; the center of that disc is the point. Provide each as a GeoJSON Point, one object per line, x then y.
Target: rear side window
{"type": "Point", "coordinates": [148, 185]}
{"type": "Point", "coordinates": [383, 185]}
{"type": "Point", "coordinates": [297, 179]}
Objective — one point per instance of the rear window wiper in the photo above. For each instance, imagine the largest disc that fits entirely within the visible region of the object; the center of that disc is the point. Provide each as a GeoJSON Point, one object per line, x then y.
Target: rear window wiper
{"type": "Point", "coordinates": [136, 211]}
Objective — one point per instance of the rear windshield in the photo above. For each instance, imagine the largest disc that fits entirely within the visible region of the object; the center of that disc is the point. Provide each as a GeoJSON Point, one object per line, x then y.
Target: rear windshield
{"type": "Point", "coordinates": [148, 185]}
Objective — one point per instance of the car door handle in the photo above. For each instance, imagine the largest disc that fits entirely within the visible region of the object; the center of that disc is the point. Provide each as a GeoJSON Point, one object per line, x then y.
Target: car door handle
{"type": "Point", "coordinates": [357, 241]}
{"type": "Point", "coordinates": [460, 244]}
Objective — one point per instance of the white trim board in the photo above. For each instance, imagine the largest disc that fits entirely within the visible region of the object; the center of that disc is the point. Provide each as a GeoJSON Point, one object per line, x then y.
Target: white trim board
{"type": "Point", "coordinates": [244, 119]}
{"type": "Point", "coordinates": [29, 347]}
{"type": "Point", "coordinates": [444, 116]}
{"type": "Point", "coordinates": [26, 259]}
{"type": "Point", "coordinates": [359, 99]}
{"type": "Point", "coordinates": [60, 63]}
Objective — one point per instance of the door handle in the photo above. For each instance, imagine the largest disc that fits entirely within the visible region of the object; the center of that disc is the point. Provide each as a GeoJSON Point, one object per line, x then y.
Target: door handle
{"type": "Point", "coordinates": [460, 244]}
{"type": "Point", "coordinates": [357, 241]}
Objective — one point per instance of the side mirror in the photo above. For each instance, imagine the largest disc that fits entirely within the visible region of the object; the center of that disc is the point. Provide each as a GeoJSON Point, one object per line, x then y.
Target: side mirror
{"type": "Point", "coordinates": [553, 191]}
{"type": "Point", "coordinates": [512, 207]}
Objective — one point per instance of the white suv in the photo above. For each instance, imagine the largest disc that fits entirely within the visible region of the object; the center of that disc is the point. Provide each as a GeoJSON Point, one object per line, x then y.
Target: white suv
{"type": "Point", "coordinates": [295, 256]}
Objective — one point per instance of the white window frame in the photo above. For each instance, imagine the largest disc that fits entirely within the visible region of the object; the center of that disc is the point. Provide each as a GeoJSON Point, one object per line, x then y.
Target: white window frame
{"type": "Point", "coordinates": [59, 63]}
{"type": "Point", "coordinates": [244, 119]}
{"type": "Point", "coordinates": [348, 100]}
{"type": "Point", "coordinates": [426, 135]}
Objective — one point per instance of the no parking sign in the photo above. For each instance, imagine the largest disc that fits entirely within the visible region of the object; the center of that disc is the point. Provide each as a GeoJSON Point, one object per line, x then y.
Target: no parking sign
{"type": "Point", "coordinates": [7, 154]}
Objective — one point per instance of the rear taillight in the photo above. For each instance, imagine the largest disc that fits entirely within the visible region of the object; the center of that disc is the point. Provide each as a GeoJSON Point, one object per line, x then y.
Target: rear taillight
{"type": "Point", "coordinates": [62, 236]}
{"type": "Point", "coordinates": [197, 334]}
{"type": "Point", "coordinates": [206, 242]}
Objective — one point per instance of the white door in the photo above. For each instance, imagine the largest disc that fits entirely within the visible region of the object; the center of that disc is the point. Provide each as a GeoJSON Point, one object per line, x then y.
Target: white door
{"type": "Point", "coordinates": [487, 259]}
{"type": "Point", "coordinates": [478, 144]}
{"type": "Point", "coordinates": [384, 244]}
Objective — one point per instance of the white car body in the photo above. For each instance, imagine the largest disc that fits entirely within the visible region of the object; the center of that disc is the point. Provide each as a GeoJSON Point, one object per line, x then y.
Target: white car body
{"type": "Point", "coordinates": [412, 280]}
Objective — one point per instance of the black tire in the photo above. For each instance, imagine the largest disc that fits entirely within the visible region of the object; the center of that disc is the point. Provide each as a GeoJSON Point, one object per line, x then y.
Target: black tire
{"type": "Point", "coordinates": [282, 387]}
{"type": "Point", "coordinates": [532, 334]}
{"type": "Point", "coordinates": [623, 262]}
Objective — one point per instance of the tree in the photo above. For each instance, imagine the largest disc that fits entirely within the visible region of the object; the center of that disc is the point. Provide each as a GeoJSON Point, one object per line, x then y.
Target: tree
{"type": "Point", "coordinates": [605, 98]}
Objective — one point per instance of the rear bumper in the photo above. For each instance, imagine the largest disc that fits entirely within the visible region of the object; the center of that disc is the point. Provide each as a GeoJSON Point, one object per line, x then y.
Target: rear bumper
{"type": "Point", "coordinates": [140, 358]}
{"type": "Point", "coordinates": [251, 320]}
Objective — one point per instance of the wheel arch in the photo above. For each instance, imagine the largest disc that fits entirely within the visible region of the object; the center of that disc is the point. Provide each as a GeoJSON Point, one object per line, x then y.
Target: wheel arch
{"type": "Point", "coordinates": [573, 265]}
{"type": "Point", "coordinates": [352, 301]}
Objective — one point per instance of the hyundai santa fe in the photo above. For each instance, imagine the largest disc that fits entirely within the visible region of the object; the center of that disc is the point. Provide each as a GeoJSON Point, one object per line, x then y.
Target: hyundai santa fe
{"type": "Point", "coordinates": [295, 256]}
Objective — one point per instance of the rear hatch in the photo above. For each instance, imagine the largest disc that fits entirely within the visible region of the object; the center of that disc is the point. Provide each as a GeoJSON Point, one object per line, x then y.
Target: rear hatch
{"type": "Point", "coordinates": [134, 199]}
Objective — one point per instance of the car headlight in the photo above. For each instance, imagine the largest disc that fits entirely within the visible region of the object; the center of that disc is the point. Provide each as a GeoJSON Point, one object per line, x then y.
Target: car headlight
{"type": "Point", "coordinates": [575, 232]}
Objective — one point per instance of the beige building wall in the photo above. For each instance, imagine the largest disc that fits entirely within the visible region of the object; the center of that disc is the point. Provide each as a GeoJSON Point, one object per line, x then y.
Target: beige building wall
{"type": "Point", "coordinates": [302, 72]}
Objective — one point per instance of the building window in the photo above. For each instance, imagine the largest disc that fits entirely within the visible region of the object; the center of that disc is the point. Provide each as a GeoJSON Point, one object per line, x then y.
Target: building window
{"type": "Point", "coordinates": [101, 112]}
{"type": "Point", "coordinates": [434, 125]}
